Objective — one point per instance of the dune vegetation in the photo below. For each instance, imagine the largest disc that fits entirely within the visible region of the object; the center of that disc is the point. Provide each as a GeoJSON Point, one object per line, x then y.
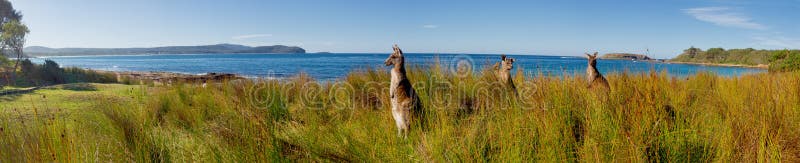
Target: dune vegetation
{"type": "Point", "coordinates": [775, 60]}
{"type": "Point", "coordinates": [644, 117]}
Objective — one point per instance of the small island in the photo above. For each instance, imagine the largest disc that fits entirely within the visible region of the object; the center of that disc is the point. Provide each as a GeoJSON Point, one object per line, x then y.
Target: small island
{"type": "Point", "coordinates": [625, 56]}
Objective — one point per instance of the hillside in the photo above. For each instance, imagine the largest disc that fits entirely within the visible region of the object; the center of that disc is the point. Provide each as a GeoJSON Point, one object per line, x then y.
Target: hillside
{"type": "Point", "coordinates": [625, 56]}
{"type": "Point", "coordinates": [203, 49]}
{"type": "Point", "coordinates": [747, 56]}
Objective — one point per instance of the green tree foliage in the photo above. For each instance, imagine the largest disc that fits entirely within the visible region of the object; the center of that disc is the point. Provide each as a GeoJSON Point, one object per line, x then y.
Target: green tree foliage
{"type": "Point", "coordinates": [7, 14]}
{"type": "Point", "coordinates": [28, 70]}
{"type": "Point", "coordinates": [778, 60]}
{"type": "Point", "coordinates": [13, 35]}
{"type": "Point", "coordinates": [784, 60]}
{"type": "Point", "coordinates": [747, 56]}
{"type": "Point", "coordinates": [4, 61]}
{"type": "Point", "coordinates": [50, 73]}
{"type": "Point", "coordinates": [13, 38]}
{"type": "Point", "coordinates": [692, 51]}
{"type": "Point", "coordinates": [4, 69]}
{"type": "Point", "coordinates": [714, 53]}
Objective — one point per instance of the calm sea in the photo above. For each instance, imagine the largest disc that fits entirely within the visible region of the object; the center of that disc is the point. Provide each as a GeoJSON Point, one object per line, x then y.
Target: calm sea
{"type": "Point", "coordinates": [332, 66]}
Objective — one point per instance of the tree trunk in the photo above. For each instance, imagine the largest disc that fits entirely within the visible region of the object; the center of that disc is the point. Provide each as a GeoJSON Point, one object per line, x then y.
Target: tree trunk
{"type": "Point", "coordinates": [16, 64]}
{"type": "Point", "coordinates": [5, 76]}
{"type": "Point", "coordinates": [5, 73]}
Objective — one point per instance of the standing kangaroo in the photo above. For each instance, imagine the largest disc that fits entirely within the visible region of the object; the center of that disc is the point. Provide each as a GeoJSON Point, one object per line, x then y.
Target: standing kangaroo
{"type": "Point", "coordinates": [405, 102]}
{"type": "Point", "coordinates": [504, 72]}
{"type": "Point", "coordinates": [595, 78]}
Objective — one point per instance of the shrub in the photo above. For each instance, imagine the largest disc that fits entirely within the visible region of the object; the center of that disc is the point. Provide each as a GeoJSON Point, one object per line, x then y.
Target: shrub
{"type": "Point", "coordinates": [785, 60]}
{"type": "Point", "coordinates": [51, 73]}
{"type": "Point", "coordinates": [747, 56]}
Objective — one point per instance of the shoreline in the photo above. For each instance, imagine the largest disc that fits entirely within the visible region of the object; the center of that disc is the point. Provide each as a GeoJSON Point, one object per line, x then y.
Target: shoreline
{"type": "Point", "coordinates": [760, 66]}
{"type": "Point", "coordinates": [162, 76]}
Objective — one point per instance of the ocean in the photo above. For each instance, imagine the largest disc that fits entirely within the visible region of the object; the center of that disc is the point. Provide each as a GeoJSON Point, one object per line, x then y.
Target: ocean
{"type": "Point", "coordinates": [336, 65]}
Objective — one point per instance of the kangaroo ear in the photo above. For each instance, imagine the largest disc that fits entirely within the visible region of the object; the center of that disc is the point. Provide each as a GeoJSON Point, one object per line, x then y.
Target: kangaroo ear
{"type": "Point", "coordinates": [503, 57]}
{"type": "Point", "coordinates": [399, 52]}
{"type": "Point", "coordinates": [396, 50]}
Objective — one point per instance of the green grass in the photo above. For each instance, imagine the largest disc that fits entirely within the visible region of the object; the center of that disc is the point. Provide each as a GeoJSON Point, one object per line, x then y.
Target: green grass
{"type": "Point", "coordinates": [644, 117]}
{"type": "Point", "coordinates": [61, 123]}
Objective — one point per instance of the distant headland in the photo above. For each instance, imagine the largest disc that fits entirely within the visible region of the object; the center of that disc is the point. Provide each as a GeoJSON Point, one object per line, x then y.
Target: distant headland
{"type": "Point", "coordinates": [35, 51]}
{"type": "Point", "coordinates": [626, 56]}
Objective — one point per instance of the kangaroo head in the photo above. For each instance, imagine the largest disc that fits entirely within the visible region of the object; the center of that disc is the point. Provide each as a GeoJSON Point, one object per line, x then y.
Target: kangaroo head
{"type": "Point", "coordinates": [396, 58]}
{"type": "Point", "coordinates": [592, 59]}
{"type": "Point", "coordinates": [506, 64]}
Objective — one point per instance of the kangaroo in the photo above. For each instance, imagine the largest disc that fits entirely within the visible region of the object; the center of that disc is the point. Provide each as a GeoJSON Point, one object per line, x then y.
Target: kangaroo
{"type": "Point", "coordinates": [595, 78]}
{"type": "Point", "coordinates": [405, 102]}
{"type": "Point", "coordinates": [504, 71]}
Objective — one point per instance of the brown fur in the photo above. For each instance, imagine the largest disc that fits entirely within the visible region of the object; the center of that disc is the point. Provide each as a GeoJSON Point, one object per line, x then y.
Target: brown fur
{"type": "Point", "coordinates": [594, 77]}
{"type": "Point", "coordinates": [406, 105]}
{"type": "Point", "coordinates": [503, 73]}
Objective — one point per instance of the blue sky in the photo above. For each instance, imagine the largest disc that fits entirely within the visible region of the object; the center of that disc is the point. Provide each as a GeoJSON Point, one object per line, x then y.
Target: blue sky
{"type": "Point", "coordinates": [514, 27]}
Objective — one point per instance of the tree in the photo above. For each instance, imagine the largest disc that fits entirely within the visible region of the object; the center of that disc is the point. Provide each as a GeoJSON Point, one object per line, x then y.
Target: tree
{"type": "Point", "coordinates": [13, 38]}
{"type": "Point", "coordinates": [714, 53]}
{"type": "Point", "coordinates": [28, 70]}
{"type": "Point", "coordinates": [4, 62]}
{"type": "Point", "coordinates": [692, 51]}
{"type": "Point", "coordinates": [7, 14]}
{"type": "Point", "coordinates": [51, 72]}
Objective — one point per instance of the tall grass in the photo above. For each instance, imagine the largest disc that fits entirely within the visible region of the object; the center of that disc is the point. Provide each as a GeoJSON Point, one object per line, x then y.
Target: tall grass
{"type": "Point", "coordinates": [644, 117]}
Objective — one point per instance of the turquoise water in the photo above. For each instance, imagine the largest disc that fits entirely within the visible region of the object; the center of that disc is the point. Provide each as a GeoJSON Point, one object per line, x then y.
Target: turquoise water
{"type": "Point", "coordinates": [332, 66]}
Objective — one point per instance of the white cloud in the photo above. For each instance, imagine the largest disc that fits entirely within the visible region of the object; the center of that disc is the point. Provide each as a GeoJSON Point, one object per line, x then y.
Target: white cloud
{"type": "Point", "coordinates": [430, 26]}
{"type": "Point", "coordinates": [779, 42]}
{"type": "Point", "coordinates": [242, 37]}
{"type": "Point", "coordinates": [723, 16]}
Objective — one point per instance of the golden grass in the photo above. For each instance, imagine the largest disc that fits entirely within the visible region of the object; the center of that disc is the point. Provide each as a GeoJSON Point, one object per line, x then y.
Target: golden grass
{"type": "Point", "coordinates": [644, 117]}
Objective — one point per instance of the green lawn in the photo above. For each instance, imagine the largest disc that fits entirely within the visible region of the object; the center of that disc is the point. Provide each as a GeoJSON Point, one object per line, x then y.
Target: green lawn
{"type": "Point", "coordinates": [68, 98]}
{"type": "Point", "coordinates": [64, 122]}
